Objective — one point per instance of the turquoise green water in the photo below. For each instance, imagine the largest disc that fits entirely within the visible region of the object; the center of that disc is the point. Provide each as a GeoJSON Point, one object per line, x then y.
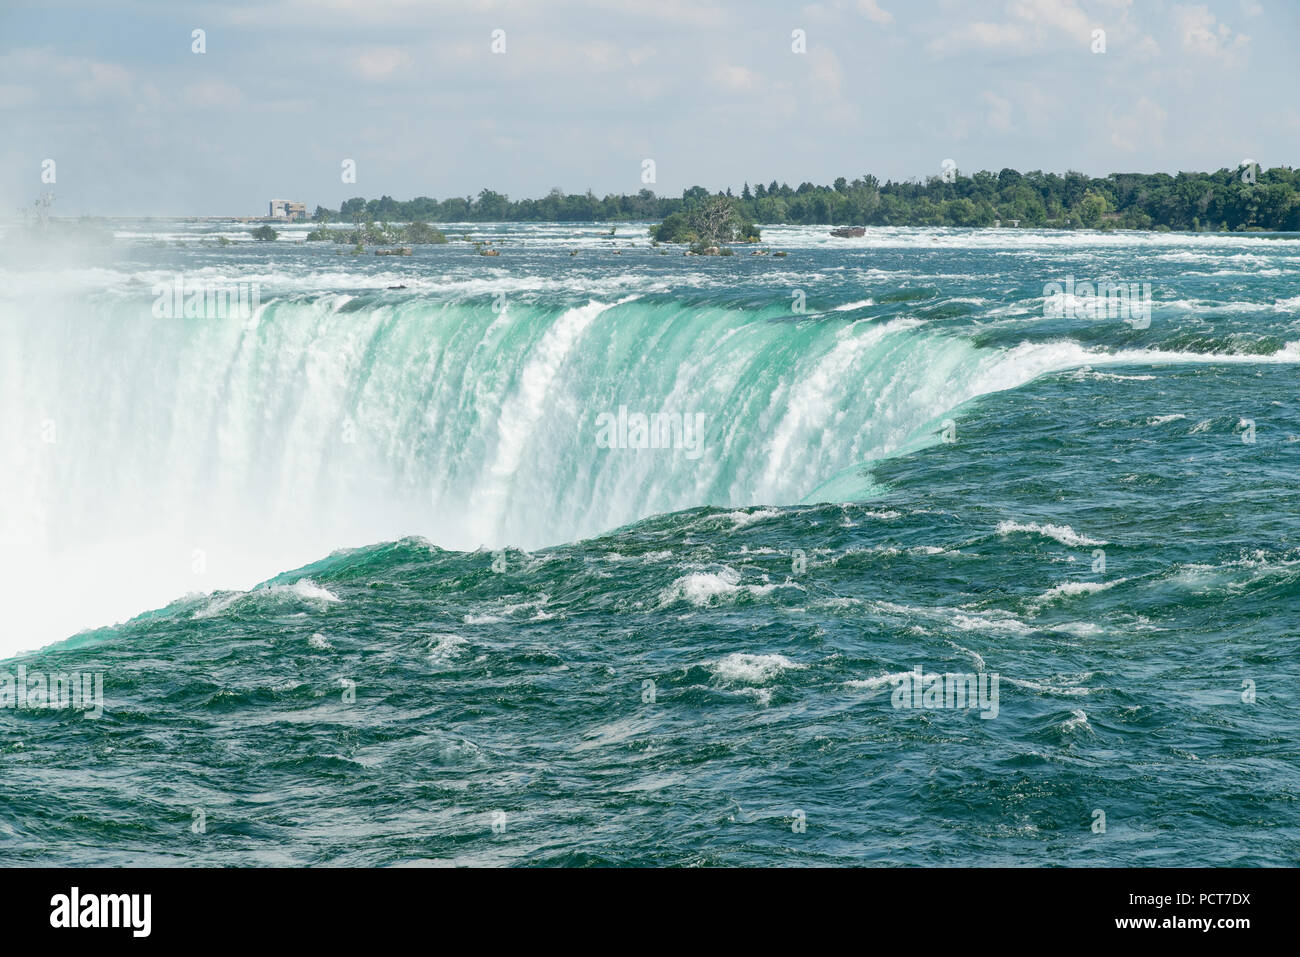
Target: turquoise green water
{"type": "Point", "coordinates": [503, 642]}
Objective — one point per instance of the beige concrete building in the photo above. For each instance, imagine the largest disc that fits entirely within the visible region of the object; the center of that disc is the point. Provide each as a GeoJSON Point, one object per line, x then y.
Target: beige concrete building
{"type": "Point", "coordinates": [288, 210]}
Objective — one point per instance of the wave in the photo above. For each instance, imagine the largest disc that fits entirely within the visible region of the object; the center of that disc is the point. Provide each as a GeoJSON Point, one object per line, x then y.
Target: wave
{"type": "Point", "coordinates": [1063, 534]}
{"type": "Point", "coordinates": [1068, 590]}
{"type": "Point", "coordinates": [302, 592]}
{"type": "Point", "coordinates": [740, 668]}
{"type": "Point", "coordinates": [704, 588]}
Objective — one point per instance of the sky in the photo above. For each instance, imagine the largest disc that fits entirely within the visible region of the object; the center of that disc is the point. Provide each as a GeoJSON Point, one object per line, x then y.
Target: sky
{"type": "Point", "coordinates": [425, 97]}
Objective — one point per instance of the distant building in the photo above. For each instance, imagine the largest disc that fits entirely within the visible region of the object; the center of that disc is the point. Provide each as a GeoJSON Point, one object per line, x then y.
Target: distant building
{"type": "Point", "coordinates": [287, 210]}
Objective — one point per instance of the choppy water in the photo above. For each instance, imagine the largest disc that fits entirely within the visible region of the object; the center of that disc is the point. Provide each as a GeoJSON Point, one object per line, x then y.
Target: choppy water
{"type": "Point", "coordinates": [567, 654]}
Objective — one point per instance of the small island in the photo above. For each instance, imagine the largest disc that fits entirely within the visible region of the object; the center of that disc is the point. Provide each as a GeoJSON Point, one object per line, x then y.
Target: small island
{"type": "Point", "coordinates": [366, 232]}
{"type": "Point", "coordinates": [707, 225]}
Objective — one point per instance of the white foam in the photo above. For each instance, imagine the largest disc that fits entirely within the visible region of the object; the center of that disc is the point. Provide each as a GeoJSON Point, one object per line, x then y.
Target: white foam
{"type": "Point", "coordinates": [741, 519]}
{"type": "Point", "coordinates": [1068, 590]}
{"type": "Point", "coordinates": [308, 589]}
{"type": "Point", "coordinates": [505, 611]}
{"type": "Point", "coordinates": [1087, 372]}
{"type": "Point", "coordinates": [1060, 533]}
{"type": "Point", "coordinates": [991, 621]}
{"type": "Point", "coordinates": [751, 669]}
{"type": "Point", "coordinates": [302, 590]}
{"type": "Point", "coordinates": [1077, 719]}
{"type": "Point", "coordinates": [1067, 686]}
{"type": "Point", "coordinates": [878, 682]}
{"type": "Point", "coordinates": [445, 647]}
{"type": "Point", "coordinates": [702, 588]}
{"type": "Point", "coordinates": [1080, 629]}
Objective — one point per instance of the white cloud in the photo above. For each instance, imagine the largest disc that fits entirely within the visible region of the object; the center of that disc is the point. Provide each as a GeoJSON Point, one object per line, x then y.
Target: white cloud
{"type": "Point", "coordinates": [1060, 15]}
{"type": "Point", "coordinates": [686, 13]}
{"type": "Point", "coordinates": [1202, 34]}
{"type": "Point", "coordinates": [999, 114]}
{"type": "Point", "coordinates": [827, 76]}
{"type": "Point", "coordinates": [980, 35]}
{"type": "Point", "coordinates": [380, 63]}
{"type": "Point", "coordinates": [89, 80]}
{"type": "Point", "coordinates": [103, 79]}
{"type": "Point", "coordinates": [1036, 25]}
{"type": "Point", "coordinates": [737, 79]}
{"type": "Point", "coordinates": [834, 11]}
{"type": "Point", "coordinates": [871, 10]}
{"type": "Point", "coordinates": [602, 55]}
{"type": "Point", "coordinates": [12, 95]}
{"type": "Point", "coordinates": [640, 55]}
{"type": "Point", "coordinates": [1144, 127]}
{"type": "Point", "coordinates": [213, 94]}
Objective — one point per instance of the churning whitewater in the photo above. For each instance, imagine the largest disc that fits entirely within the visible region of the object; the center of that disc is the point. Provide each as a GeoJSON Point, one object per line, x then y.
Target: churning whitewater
{"type": "Point", "coordinates": [558, 515]}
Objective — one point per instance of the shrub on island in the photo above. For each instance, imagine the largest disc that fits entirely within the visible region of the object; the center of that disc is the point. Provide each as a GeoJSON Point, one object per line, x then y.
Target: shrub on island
{"type": "Point", "coordinates": [381, 234]}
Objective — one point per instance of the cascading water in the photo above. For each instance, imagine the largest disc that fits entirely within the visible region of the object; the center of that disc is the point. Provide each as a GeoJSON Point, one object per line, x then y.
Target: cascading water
{"type": "Point", "coordinates": [157, 456]}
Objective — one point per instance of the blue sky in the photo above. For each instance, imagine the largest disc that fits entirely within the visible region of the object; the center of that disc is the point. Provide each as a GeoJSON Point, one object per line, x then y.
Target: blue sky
{"type": "Point", "coordinates": [587, 90]}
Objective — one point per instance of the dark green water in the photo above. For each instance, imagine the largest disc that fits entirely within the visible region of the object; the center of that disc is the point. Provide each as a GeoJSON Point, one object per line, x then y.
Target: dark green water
{"type": "Point", "coordinates": [694, 661]}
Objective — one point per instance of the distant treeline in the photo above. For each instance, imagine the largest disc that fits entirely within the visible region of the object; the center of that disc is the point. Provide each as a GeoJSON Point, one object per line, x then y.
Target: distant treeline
{"type": "Point", "coordinates": [1230, 199]}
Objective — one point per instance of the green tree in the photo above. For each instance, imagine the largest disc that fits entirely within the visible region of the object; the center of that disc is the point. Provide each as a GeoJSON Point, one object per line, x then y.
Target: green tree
{"type": "Point", "coordinates": [1091, 208]}
{"type": "Point", "coordinates": [418, 232]}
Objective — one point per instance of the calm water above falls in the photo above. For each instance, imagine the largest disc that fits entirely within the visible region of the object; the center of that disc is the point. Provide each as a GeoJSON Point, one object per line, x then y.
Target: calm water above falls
{"type": "Point", "coordinates": [564, 653]}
